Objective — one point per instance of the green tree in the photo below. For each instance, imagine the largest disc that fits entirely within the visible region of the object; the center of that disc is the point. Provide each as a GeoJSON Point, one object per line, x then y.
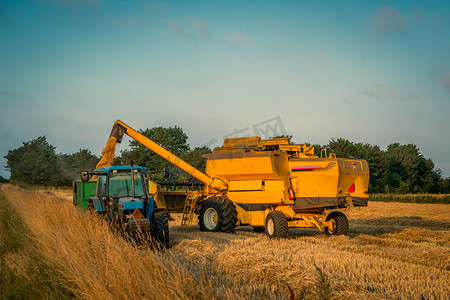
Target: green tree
{"type": "Point", "coordinates": [378, 165]}
{"type": "Point", "coordinates": [3, 180]}
{"type": "Point", "coordinates": [318, 149]}
{"type": "Point", "coordinates": [72, 165]}
{"type": "Point", "coordinates": [194, 157]}
{"type": "Point", "coordinates": [444, 185]}
{"type": "Point", "coordinates": [35, 162]}
{"type": "Point", "coordinates": [342, 148]}
{"type": "Point", "coordinates": [401, 168]}
{"type": "Point", "coordinates": [410, 171]}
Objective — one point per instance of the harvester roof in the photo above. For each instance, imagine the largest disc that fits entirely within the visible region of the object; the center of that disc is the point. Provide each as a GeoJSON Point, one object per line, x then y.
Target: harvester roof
{"type": "Point", "coordinates": [256, 144]}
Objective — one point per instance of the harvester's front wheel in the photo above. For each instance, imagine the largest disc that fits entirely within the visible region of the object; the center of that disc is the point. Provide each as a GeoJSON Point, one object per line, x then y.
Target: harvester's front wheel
{"type": "Point", "coordinates": [339, 224]}
{"type": "Point", "coordinates": [160, 228]}
{"type": "Point", "coordinates": [276, 225]}
{"type": "Point", "coordinates": [218, 214]}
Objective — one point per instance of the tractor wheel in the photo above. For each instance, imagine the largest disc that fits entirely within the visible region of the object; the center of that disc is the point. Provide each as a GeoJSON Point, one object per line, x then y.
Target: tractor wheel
{"type": "Point", "coordinates": [218, 214]}
{"type": "Point", "coordinates": [340, 224]}
{"type": "Point", "coordinates": [276, 225]}
{"type": "Point", "coordinates": [160, 228]}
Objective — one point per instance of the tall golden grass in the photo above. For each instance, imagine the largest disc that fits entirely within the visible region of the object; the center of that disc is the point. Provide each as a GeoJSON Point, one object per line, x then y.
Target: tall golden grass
{"type": "Point", "coordinates": [95, 263]}
{"type": "Point", "coordinates": [23, 271]}
{"type": "Point", "coordinates": [408, 259]}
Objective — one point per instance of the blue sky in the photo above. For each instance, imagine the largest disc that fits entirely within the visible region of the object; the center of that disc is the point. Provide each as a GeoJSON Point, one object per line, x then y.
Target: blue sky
{"type": "Point", "coordinates": [369, 71]}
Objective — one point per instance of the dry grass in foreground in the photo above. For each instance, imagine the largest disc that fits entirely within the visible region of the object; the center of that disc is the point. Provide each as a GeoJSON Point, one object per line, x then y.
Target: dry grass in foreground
{"type": "Point", "coordinates": [92, 261]}
{"type": "Point", "coordinates": [394, 251]}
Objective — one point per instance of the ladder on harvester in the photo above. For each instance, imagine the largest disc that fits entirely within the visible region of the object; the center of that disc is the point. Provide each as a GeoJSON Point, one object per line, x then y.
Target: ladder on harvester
{"type": "Point", "coordinates": [189, 208]}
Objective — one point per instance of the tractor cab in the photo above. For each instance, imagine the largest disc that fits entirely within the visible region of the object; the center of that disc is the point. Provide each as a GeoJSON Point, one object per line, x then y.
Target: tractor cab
{"type": "Point", "coordinates": [121, 194]}
{"type": "Point", "coordinates": [121, 183]}
{"type": "Point", "coordinates": [121, 190]}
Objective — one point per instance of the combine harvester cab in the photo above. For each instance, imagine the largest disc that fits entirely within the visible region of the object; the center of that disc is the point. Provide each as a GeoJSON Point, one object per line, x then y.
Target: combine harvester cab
{"type": "Point", "coordinates": [121, 194]}
{"type": "Point", "coordinates": [268, 184]}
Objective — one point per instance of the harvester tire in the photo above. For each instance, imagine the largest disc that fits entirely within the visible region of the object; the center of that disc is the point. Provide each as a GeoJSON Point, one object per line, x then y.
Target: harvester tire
{"type": "Point", "coordinates": [276, 225]}
{"type": "Point", "coordinates": [340, 223]}
{"type": "Point", "coordinates": [218, 214]}
{"type": "Point", "coordinates": [160, 228]}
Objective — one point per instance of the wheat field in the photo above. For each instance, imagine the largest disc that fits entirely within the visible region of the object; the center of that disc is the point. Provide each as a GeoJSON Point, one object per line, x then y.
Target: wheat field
{"type": "Point", "coordinates": [393, 251]}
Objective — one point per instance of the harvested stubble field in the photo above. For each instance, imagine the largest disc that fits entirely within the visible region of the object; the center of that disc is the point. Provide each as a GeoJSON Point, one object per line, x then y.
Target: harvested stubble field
{"type": "Point", "coordinates": [394, 251]}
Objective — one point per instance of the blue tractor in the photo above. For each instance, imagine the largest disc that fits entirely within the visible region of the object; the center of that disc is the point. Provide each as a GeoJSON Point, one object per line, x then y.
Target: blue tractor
{"type": "Point", "coordinates": [121, 194]}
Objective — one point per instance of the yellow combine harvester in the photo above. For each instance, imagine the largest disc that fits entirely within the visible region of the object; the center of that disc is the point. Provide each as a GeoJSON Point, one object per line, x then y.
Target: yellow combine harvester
{"type": "Point", "coordinates": [269, 184]}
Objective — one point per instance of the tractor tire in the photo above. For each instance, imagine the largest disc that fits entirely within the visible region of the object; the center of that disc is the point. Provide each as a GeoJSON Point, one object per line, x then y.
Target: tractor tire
{"type": "Point", "coordinates": [340, 222]}
{"type": "Point", "coordinates": [218, 214]}
{"type": "Point", "coordinates": [160, 229]}
{"type": "Point", "coordinates": [276, 225]}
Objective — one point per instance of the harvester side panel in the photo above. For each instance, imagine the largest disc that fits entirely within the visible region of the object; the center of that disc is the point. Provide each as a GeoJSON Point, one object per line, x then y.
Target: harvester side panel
{"type": "Point", "coordinates": [356, 172]}
{"type": "Point", "coordinates": [240, 165]}
{"type": "Point", "coordinates": [252, 217]}
{"type": "Point", "coordinates": [251, 204]}
{"type": "Point", "coordinates": [314, 177]}
{"type": "Point", "coordinates": [252, 200]}
{"type": "Point", "coordinates": [325, 182]}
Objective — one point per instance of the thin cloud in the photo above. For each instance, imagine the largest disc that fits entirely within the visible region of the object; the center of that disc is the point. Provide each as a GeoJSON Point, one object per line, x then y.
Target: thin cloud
{"type": "Point", "coordinates": [378, 91]}
{"type": "Point", "coordinates": [389, 19]}
{"type": "Point", "coordinates": [189, 27]}
{"type": "Point", "coordinates": [321, 56]}
{"type": "Point", "coordinates": [128, 21]}
{"type": "Point", "coordinates": [240, 38]}
{"type": "Point", "coordinates": [432, 20]}
{"type": "Point", "coordinates": [124, 21]}
{"type": "Point", "coordinates": [381, 94]}
{"type": "Point", "coordinates": [175, 27]}
{"type": "Point", "coordinates": [200, 25]}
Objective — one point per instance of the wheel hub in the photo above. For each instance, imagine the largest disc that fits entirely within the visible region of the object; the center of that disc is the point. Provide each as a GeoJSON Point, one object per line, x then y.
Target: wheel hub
{"type": "Point", "coordinates": [210, 218]}
{"type": "Point", "coordinates": [333, 226]}
{"type": "Point", "coordinates": [330, 228]}
{"type": "Point", "coordinates": [270, 227]}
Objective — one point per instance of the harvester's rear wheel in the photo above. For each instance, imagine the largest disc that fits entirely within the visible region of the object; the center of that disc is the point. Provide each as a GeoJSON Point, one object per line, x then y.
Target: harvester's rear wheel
{"type": "Point", "coordinates": [339, 223]}
{"type": "Point", "coordinates": [160, 228]}
{"type": "Point", "coordinates": [276, 225]}
{"type": "Point", "coordinates": [218, 214]}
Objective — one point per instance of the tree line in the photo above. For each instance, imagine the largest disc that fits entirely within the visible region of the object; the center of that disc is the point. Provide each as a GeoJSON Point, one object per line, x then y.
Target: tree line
{"type": "Point", "coordinates": [398, 169]}
{"type": "Point", "coordinates": [36, 162]}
